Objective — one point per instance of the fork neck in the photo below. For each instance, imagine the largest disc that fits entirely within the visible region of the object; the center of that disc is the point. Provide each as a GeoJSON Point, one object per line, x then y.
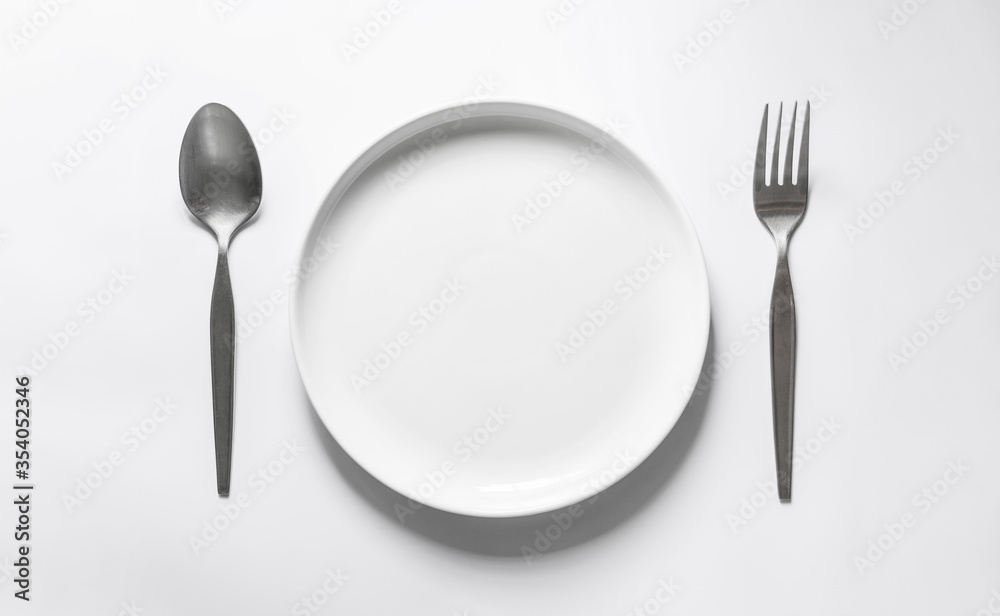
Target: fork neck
{"type": "Point", "coordinates": [781, 243]}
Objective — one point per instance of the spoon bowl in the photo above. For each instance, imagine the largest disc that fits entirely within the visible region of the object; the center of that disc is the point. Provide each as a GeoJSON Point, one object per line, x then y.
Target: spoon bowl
{"type": "Point", "coordinates": [220, 171]}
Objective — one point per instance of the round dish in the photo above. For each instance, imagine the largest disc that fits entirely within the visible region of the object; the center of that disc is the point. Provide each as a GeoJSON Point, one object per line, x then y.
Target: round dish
{"type": "Point", "coordinates": [502, 311]}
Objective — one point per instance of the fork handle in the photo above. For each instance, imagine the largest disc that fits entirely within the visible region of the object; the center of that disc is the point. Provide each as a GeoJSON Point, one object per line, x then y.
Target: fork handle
{"type": "Point", "coordinates": [222, 329]}
{"type": "Point", "coordinates": [783, 373]}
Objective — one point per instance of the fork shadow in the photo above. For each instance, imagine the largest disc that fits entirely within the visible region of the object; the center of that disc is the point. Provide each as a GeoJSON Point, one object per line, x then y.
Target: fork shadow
{"type": "Point", "coordinates": [506, 537]}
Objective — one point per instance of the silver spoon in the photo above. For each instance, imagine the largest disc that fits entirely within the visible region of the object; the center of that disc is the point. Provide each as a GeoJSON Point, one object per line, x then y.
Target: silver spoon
{"type": "Point", "coordinates": [221, 185]}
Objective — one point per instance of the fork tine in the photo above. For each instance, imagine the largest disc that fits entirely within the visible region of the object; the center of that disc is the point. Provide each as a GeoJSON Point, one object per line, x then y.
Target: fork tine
{"type": "Point", "coordinates": [777, 147]}
{"type": "Point", "coordinates": [759, 169]}
{"type": "Point", "coordinates": [786, 175]}
{"type": "Point", "coordinates": [803, 181]}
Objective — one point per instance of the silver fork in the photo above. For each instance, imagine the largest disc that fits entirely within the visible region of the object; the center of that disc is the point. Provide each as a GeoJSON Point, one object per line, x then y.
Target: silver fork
{"type": "Point", "coordinates": [780, 208]}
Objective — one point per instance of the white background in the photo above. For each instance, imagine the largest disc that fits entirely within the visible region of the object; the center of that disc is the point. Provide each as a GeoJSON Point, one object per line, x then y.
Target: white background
{"type": "Point", "coordinates": [691, 513]}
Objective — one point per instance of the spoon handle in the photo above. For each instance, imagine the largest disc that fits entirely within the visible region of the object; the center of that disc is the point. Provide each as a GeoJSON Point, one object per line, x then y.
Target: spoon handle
{"type": "Point", "coordinates": [223, 341]}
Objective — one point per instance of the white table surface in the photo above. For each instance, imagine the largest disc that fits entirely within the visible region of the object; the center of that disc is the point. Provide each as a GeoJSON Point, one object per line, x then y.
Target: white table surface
{"type": "Point", "coordinates": [695, 517]}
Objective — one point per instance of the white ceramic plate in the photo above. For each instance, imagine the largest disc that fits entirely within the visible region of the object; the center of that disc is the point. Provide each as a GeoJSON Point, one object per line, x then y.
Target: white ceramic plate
{"type": "Point", "coordinates": [504, 311]}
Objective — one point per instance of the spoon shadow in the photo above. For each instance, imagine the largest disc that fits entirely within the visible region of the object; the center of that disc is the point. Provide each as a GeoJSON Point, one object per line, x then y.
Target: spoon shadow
{"type": "Point", "coordinates": [533, 535]}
